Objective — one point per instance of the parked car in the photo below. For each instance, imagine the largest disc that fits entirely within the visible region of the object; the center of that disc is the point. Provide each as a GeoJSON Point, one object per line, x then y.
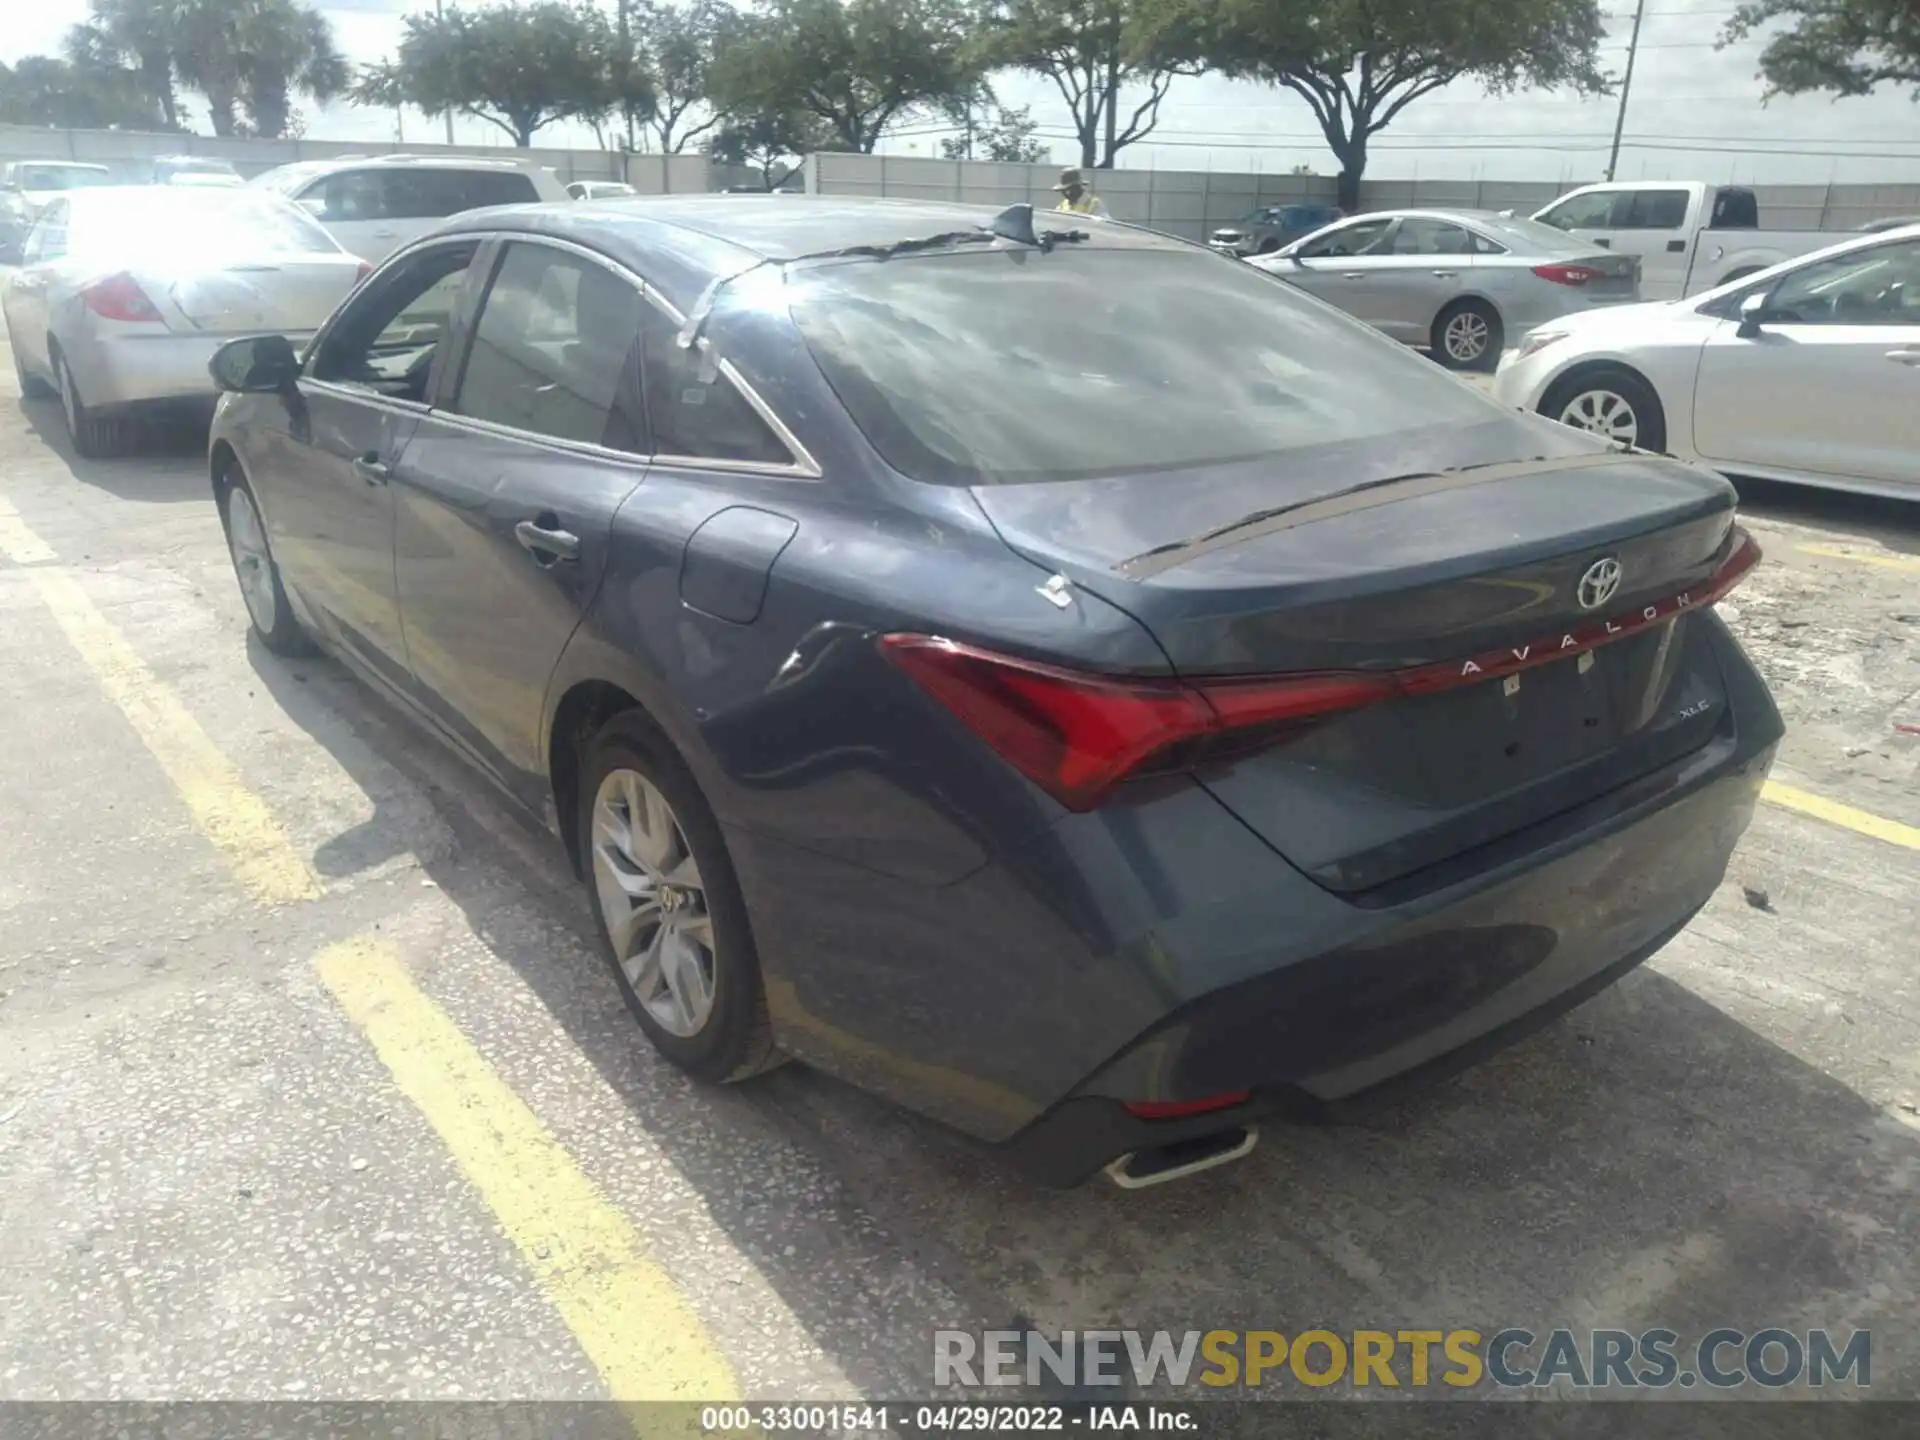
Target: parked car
{"type": "Point", "coordinates": [1688, 237]}
{"type": "Point", "coordinates": [599, 189]}
{"type": "Point", "coordinates": [194, 170]}
{"type": "Point", "coordinates": [1086, 691]}
{"type": "Point", "coordinates": [372, 204]}
{"type": "Point", "coordinates": [1807, 372]}
{"type": "Point", "coordinates": [25, 188]}
{"type": "Point", "coordinates": [1453, 282]}
{"type": "Point", "coordinates": [125, 292]}
{"type": "Point", "coordinates": [1268, 228]}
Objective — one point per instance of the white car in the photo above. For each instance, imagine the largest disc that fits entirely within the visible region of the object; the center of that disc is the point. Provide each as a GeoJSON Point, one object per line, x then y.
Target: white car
{"type": "Point", "coordinates": [374, 204]}
{"type": "Point", "coordinates": [125, 292]}
{"type": "Point", "coordinates": [1808, 372]}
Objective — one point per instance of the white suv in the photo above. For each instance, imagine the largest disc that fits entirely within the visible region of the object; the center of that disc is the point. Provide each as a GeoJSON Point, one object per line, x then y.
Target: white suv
{"type": "Point", "coordinates": [374, 204]}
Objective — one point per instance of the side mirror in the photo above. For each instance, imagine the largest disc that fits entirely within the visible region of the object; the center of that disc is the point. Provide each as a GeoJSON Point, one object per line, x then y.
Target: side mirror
{"type": "Point", "coordinates": [1753, 310]}
{"type": "Point", "coordinates": [257, 365]}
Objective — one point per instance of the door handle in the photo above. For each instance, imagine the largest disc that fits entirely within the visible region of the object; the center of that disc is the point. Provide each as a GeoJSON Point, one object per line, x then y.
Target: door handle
{"type": "Point", "coordinates": [1446, 274]}
{"type": "Point", "coordinates": [548, 546]}
{"type": "Point", "coordinates": [1907, 355]}
{"type": "Point", "coordinates": [1354, 275]}
{"type": "Point", "coordinates": [372, 469]}
{"type": "Point", "coordinates": [1676, 247]}
{"type": "Point", "coordinates": [384, 234]}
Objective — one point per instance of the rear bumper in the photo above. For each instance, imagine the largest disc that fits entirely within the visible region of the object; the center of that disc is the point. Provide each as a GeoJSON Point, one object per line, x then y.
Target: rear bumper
{"type": "Point", "coordinates": [115, 371]}
{"type": "Point", "coordinates": [1159, 951]}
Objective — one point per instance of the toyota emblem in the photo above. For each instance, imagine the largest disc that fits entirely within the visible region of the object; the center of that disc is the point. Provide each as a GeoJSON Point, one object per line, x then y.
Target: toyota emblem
{"type": "Point", "coordinates": [1598, 584]}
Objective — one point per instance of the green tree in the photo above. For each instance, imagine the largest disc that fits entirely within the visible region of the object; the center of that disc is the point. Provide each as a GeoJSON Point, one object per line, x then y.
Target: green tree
{"type": "Point", "coordinates": [1092, 50]}
{"type": "Point", "coordinates": [75, 95]}
{"type": "Point", "coordinates": [516, 67]}
{"type": "Point", "coordinates": [856, 66]}
{"type": "Point", "coordinates": [139, 33]}
{"type": "Point", "coordinates": [1841, 47]}
{"type": "Point", "coordinates": [773, 142]}
{"type": "Point", "coordinates": [680, 44]}
{"type": "Point", "coordinates": [1359, 63]}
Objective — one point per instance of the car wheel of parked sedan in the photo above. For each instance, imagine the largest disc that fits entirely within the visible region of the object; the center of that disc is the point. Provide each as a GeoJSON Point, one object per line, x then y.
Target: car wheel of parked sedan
{"type": "Point", "coordinates": [664, 893]}
{"type": "Point", "coordinates": [1614, 404]}
{"type": "Point", "coordinates": [95, 437]}
{"type": "Point", "coordinates": [259, 577]}
{"type": "Point", "coordinates": [1466, 336]}
{"type": "Point", "coordinates": [32, 386]}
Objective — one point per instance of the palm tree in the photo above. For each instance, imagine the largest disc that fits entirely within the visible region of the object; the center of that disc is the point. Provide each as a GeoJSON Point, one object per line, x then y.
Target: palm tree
{"type": "Point", "coordinates": [250, 57]}
{"type": "Point", "coordinates": [140, 33]}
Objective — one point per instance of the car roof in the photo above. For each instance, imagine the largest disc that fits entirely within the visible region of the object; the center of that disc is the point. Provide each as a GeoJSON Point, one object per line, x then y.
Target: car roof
{"type": "Point", "coordinates": [59, 164]}
{"type": "Point", "coordinates": [681, 243]}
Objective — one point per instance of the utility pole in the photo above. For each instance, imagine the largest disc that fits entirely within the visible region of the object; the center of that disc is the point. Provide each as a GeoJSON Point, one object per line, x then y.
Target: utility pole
{"type": "Point", "coordinates": [1626, 85]}
{"type": "Point", "coordinates": [440, 13]}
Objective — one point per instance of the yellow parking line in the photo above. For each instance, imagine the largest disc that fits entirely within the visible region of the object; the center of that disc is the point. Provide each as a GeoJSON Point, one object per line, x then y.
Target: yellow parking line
{"type": "Point", "coordinates": [18, 543]}
{"type": "Point", "coordinates": [588, 1259]}
{"type": "Point", "coordinates": [1841, 552]}
{"type": "Point", "coordinates": [1834, 813]}
{"type": "Point", "coordinates": [229, 814]}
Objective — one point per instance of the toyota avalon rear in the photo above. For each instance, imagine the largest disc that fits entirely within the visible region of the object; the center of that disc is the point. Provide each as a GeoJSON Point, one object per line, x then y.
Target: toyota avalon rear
{"type": "Point", "coordinates": [1432, 733]}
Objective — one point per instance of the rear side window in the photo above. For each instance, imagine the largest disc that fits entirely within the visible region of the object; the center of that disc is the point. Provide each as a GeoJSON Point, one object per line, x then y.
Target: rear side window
{"type": "Point", "coordinates": [1418, 236]}
{"type": "Point", "coordinates": [1008, 366]}
{"type": "Point", "coordinates": [552, 351]}
{"type": "Point", "coordinates": [695, 414]}
{"type": "Point", "coordinates": [484, 187]}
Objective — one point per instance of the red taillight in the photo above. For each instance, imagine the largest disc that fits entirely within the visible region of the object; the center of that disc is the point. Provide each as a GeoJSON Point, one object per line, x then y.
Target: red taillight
{"type": "Point", "coordinates": [1073, 735]}
{"type": "Point", "coordinates": [1569, 274]}
{"type": "Point", "coordinates": [1178, 1109]}
{"type": "Point", "coordinates": [119, 297]}
{"type": "Point", "coordinates": [1076, 736]}
{"type": "Point", "coordinates": [364, 271]}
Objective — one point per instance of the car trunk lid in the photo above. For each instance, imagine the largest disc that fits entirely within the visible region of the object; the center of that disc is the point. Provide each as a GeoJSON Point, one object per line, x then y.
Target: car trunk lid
{"type": "Point", "coordinates": [1536, 616]}
{"type": "Point", "coordinates": [292, 293]}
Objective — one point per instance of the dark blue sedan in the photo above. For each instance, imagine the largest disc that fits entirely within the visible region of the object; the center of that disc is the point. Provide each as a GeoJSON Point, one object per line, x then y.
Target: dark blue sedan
{"type": "Point", "coordinates": [1061, 679]}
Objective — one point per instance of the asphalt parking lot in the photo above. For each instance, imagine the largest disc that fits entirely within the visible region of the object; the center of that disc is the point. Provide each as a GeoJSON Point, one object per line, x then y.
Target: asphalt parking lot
{"type": "Point", "coordinates": [313, 1084]}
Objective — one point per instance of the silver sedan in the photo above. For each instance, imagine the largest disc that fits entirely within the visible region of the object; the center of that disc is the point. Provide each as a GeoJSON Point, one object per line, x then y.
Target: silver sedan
{"type": "Point", "coordinates": [125, 292]}
{"type": "Point", "coordinates": [1458, 283]}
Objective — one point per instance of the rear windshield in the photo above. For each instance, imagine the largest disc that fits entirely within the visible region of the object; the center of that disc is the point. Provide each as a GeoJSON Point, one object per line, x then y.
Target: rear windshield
{"type": "Point", "coordinates": [1008, 366]}
{"type": "Point", "coordinates": [59, 177]}
{"type": "Point", "coordinates": [193, 223]}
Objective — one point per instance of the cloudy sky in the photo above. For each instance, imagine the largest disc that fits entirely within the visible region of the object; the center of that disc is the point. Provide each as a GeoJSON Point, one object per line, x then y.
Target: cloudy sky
{"type": "Point", "coordinates": [1695, 112]}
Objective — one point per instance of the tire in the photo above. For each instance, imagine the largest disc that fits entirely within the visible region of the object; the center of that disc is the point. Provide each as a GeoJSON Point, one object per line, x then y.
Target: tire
{"type": "Point", "coordinates": [1592, 400]}
{"type": "Point", "coordinates": [257, 572]}
{"type": "Point", "coordinates": [32, 386]}
{"type": "Point", "coordinates": [1742, 273]}
{"type": "Point", "coordinates": [700, 936]}
{"type": "Point", "coordinates": [94, 436]}
{"type": "Point", "coordinates": [1266, 246]}
{"type": "Point", "coordinates": [1467, 335]}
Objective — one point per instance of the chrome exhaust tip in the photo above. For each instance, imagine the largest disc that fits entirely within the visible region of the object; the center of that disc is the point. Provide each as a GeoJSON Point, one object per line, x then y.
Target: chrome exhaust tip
{"type": "Point", "coordinates": [1138, 1169]}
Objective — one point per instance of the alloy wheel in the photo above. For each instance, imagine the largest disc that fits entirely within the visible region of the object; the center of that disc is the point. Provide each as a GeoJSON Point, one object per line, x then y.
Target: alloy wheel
{"type": "Point", "coordinates": [1466, 336]}
{"type": "Point", "coordinates": [1604, 413]}
{"type": "Point", "coordinates": [653, 902]}
{"type": "Point", "coordinates": [252, 561]}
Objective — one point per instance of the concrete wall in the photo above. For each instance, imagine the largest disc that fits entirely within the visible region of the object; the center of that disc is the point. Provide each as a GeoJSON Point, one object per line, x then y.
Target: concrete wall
{"type": "Point", "coordinates": [1191, 203]}
{"type": "Point", "coordinates": [125, 151]}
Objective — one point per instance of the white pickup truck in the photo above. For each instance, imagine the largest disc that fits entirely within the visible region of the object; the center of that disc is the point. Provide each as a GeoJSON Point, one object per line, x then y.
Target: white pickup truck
{"type": "Point", "coordinates": [1689, 236]}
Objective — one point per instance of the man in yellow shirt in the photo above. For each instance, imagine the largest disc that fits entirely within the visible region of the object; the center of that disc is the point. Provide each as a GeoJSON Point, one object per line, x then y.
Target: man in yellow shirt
{"type": "Point", "coordinates": [1076, 198]}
